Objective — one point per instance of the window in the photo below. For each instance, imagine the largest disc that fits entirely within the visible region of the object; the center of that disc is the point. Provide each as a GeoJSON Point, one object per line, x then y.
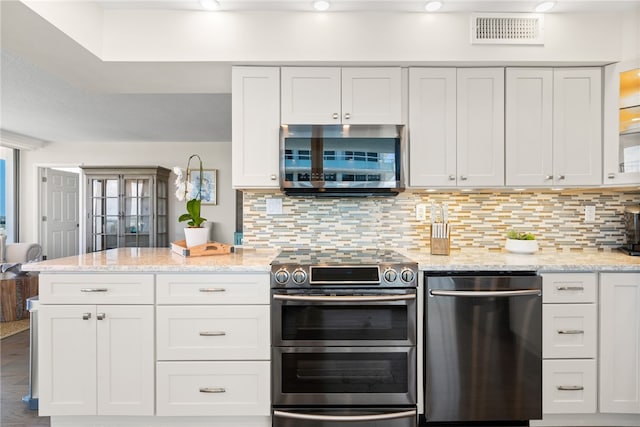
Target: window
{"type": "Point", "coordinates": [304, 155]}
{"type": "Point", "coordinates": [8, 191]}
{"type": "Point", "coordinates": [329, 155]}
{"type": "Point", "coordinates": [288, 154]}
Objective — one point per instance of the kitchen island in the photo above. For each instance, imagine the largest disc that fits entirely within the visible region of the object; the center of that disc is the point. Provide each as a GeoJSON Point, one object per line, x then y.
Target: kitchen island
{"type": "Point", "coordinates": [147, 337]}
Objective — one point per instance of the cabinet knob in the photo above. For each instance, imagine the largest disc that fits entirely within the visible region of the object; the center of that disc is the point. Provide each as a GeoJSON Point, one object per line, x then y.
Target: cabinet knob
{"type": "Point", "coordinates": [101, 316]}
{"type": "Point", "coordinates": [548, 177]}
{"type": "Point", "coordinates": [335, 116]}
{"type": "Point", "coordinates": [611, 176]}
{"type": "Point", "coordinates": [86, 316]}
{"type": "Point", "coordinates": [452, 177]}
{"type": "Point", "coordinates": [560, 177]}
{"type": "Point", "coordinates": [273, 177]}
{"type": "Point", "coordinates": [463, 177]}
{"type": "Point", "coordinates": [347, 116]}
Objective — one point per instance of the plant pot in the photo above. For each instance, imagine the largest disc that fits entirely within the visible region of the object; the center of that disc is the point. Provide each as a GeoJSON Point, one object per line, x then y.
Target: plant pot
{"type": "Point", "coordinates": [521, 246]}
{"type": "Point", "coordinates": [195, 236]}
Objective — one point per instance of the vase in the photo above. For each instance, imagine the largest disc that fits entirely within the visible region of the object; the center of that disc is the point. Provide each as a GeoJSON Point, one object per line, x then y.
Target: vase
{"type": "Point", "coordinates": [195, 236]}
{"type": "Point", "coordinates": [521, 246]}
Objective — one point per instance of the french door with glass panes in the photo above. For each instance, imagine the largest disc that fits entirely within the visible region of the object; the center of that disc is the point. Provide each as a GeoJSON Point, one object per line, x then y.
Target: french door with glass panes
{"type": "Point", "coordinates": [126, 207]}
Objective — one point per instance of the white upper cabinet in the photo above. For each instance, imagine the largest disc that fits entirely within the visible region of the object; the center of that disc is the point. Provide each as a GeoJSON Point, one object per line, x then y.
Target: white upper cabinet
{"type": "Point", "coordinates": [577, 126]}
{"type": "Point", "coordinates": [255, 127]}
{"type": "Point", "coordinates": [553, 126]}
{"type": "Point", "coordinates": [529, 131]}
{"type": "Point", "coordinates": [333, 95]}
{"type": "Point", "coordinates": [480, 127]}
{"type": "Point", "coordinates": [432, 127]}
{"type": "Point", "coordinates": [456, 127]}
{"type": "Point", "coordinates": [622, 123]}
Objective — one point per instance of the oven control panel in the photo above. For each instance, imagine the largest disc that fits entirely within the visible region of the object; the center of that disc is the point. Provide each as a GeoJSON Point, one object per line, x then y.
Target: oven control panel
{"type": "Point", "coordinates": [283, 276]}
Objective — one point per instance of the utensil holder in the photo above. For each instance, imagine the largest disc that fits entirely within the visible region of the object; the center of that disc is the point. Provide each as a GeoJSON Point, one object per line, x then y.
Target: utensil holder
{"type": "Point", "coordinates": [441, 245]}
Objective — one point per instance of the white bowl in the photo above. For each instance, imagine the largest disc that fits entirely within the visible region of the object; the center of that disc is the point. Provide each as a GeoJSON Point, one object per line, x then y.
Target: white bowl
{"type": "Point", "coordinates": [521, 246]}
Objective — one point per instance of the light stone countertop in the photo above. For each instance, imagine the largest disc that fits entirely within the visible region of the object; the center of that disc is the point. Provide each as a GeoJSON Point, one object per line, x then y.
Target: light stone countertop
{"type": "Point", "coordinates": [258, 260]}
{"type": "Point", "coordinates": [548, 261]}
{"type": "Point", "coordinates": [157, 260]}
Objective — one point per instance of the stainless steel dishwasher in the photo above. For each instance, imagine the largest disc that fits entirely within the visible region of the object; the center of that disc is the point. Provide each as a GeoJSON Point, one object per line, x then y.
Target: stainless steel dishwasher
{"type": "Point", "coordinates": [483, 348]}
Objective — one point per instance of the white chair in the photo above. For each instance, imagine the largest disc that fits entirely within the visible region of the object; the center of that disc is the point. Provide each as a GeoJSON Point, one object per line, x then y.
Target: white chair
{"type": "Point", "coordinates": [21, 253]}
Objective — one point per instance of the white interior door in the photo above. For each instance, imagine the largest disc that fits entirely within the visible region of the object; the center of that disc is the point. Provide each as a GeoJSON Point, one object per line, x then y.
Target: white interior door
{"type": "Point", "coordinates": [59, 213]}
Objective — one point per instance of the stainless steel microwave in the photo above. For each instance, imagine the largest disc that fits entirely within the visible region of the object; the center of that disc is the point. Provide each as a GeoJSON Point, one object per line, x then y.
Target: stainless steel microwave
{"type": "Point", "coordinates": [341, 160]}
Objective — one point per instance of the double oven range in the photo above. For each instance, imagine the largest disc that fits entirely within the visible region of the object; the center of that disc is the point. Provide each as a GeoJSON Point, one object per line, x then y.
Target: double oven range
{"type": "Point", "coordinates": [344, 339]}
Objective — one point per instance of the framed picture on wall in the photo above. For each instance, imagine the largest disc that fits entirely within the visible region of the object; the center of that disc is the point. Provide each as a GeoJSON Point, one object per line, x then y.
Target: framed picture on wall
{"type": "Point", "coordinates": [208, 191]}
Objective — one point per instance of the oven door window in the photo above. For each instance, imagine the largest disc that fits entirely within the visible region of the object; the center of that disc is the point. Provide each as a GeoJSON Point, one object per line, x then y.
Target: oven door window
{"type": "Point", "coordinates": [340, 323]}
{"type": "Point", "coordinates": [363, 376]}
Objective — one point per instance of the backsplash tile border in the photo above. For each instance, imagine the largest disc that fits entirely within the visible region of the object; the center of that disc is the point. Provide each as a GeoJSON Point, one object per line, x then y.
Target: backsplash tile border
{"type": "Point", "coordinates": [478, 220]}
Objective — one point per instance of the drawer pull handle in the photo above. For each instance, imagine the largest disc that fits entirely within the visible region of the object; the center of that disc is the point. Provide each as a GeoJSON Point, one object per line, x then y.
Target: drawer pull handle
{"type": "Point", "coordinates": [212, 290]}
{"type": "Point", "coordinates": [212, 390]}
{"type": "Point", "coordinates": [212, 333]}
{"type": "Point", "coordinates": [570, 288]}
{"type": "Point", "coordinates": [570, 387]}
{"type": "Point", "coordinates": [570, 331]}
{"type": "Point", "coordinates": [86, 316]}
{"type": "Point", "coordinates": [94, 290]}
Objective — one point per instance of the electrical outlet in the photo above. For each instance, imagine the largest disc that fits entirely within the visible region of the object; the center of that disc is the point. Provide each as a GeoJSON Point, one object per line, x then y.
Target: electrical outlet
{"type": "Point", "coordinates": [421, 212]}
{"type": "Point", "coordinates": [590, 213]}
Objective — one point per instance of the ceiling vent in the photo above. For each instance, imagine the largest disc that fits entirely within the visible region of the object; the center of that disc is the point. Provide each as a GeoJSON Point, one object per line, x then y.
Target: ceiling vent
{"type": "Point", "coordinates": [507, 28]}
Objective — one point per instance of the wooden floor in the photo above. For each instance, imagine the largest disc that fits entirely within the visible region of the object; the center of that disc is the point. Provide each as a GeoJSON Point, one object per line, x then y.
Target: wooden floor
{"type": "Point", "coordinates": [14, 383]}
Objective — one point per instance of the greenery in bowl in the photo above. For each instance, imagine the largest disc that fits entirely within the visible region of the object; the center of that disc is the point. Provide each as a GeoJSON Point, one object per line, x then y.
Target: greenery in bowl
{"type": "Point", "coordinates": [520, 235]}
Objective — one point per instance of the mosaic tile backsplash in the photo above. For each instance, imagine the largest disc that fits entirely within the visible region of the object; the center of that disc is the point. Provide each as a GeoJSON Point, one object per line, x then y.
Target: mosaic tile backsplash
{"type": "Point", "coordinates": [478, 220]}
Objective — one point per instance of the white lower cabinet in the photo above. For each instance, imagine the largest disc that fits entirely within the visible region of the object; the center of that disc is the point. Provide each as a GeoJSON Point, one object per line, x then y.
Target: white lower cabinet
{"type": "Point", "coordinates": [569, 386]}
{"type": "Point", "coordinates": [213, 345]}
{"type": "Point", "coordinates": [96, 360]}
{"type": "Point", "coordinates": [213, 388]}
{"type": "Point", "coordinates": [569, 343]}
{"type": "Point", "coordinates": [620, 343]}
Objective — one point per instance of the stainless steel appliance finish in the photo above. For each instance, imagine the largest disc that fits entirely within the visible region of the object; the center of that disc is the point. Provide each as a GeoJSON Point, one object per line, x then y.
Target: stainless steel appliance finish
{"type": "Point", "coordinates": [344, 339]}
{"type": "Point", "coordinates": [341, 160]}
{"type": "Point", "coordinates": [483, 348]}
{"type": "Point", "coordinates": [632, 230]}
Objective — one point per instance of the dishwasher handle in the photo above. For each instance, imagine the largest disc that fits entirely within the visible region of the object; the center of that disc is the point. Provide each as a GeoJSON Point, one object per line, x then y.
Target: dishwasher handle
{"type": "Point", "coordinates": [516, 293]}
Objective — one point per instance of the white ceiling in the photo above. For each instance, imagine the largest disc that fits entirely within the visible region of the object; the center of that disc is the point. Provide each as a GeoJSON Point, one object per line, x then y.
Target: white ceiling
{"type": "Point", "coordinates": [55, 90]}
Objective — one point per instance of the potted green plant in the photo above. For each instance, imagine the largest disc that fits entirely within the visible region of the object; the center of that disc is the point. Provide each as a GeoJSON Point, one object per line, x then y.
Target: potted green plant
{"type": "Point", "coordinates": [195, 234]}
{"type": "Point", "coordinates": [520, 242]}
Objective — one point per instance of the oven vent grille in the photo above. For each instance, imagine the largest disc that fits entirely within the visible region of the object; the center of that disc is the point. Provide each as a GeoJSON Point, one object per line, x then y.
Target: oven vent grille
{"type": "Point", "coordinates": [507, 28]}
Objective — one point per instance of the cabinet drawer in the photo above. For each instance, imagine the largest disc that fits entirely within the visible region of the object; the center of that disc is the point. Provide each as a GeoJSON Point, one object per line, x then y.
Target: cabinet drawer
{"type": "Point", "coordinates": [99, 288]}
{"type": "Point", "coordinates": [242, 288]}
{"type": "Point", "coordinates": [213, 332]}
{"type": "Point", "coordinates": [213, 388]}
{"type": "Point", "coordinates": [569, 386]}
{"type": "Point", "coordinates": [569, 331]}
{"type": "Point", "coordinates": [569, 287]}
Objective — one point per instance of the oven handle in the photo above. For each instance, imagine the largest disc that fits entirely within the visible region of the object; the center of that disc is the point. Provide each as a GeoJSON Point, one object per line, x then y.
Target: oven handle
{"type": "Point", "coordinates": [344, 298]}
{"type": "Point", "coordinates": [536, 292]}
{"type": "Point", "coordinates": [346, 418]}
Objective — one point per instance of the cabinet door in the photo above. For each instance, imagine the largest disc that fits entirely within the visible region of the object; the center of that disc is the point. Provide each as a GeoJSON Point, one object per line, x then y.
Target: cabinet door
{"type": "Point", "coordinates": [432, 121]}
{"type": "Point", "coordinates": [577, 126]}
{"type": "Point", "coordinates": [104, 213]}
{"type": "Point", "coordinates": [67, 359]}
{"type": "Point", "coordinates": [528, 114]}
{"type": "Point", "coordinates": [371, 95]}
{"type": "Point", "coordinates": [255, 127]}
{"type": "Point", "coordinates": [137, 211]}
{"type": "Point", "coordinates": [311, 95]}
{"type": "Point", "coordinates": [621, 126]}
{"type": "Point", "coordinates": [125, 360]}
{"type": "Point", "coordinates": [480, 126]}
{"type": "Point", "coordinates": [620, 342]}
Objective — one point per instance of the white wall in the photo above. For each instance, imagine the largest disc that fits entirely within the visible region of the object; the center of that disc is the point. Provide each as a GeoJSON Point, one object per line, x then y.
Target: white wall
{"type": "Point", "coordinates": [215, 155]}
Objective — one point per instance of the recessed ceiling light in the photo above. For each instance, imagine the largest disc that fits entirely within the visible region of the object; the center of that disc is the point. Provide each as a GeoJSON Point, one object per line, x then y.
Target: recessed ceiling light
{"type": "Point", "coordinates": [433, 6]}
{"type": "Point", "coordinates": [545, 6]}
{"type": "Point", "coordinates": [210, 4]}
{"type": "Point", "coordinates": [321, 5]}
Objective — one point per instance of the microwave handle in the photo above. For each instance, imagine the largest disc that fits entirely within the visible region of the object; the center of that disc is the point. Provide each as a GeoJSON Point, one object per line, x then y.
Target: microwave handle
{"type": "Point", "coordinates": [346, 418]}
{"type": "Point", "coordinates": [344, 298]}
